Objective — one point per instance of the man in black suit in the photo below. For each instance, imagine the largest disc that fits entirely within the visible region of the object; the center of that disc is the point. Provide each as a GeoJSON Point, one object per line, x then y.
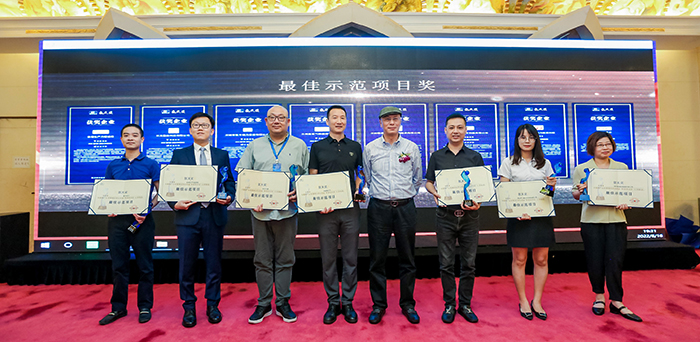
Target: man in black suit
{"type": "Point", "coordinates": [202, 223]}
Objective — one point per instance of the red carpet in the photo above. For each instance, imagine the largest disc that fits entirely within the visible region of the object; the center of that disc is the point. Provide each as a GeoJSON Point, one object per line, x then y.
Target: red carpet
{"type": "Point", "coordinates": [667, 300]}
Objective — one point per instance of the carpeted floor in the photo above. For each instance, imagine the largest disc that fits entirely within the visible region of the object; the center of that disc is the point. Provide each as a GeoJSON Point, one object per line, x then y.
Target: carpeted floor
{"type": "Point", "coordinates": [667, 300]}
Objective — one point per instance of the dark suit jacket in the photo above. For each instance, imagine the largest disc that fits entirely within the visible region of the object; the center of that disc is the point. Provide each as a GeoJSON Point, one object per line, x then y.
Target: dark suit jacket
{"type": "Point", "coordinates": [185, 156]}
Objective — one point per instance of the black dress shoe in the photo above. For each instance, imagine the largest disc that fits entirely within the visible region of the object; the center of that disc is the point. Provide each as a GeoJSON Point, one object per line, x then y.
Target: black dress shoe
{"type": "Point", "coordinates": [618, 311]}
{"type": "Point", "coordinates": [466, 312]}
{"type": "Point", "coordinates": [540, 315]}
{"type": "Point", "coordinates": [376, 316]}
{"type": "Point", "coordinates": [189, 319]}
{"type": "Point", "coordinates": [526, 315]}
{"type": "Point", "coordinates": [213, 314]}
{"type": "Point", "coordinates": [448, 316]}
{"type": "Point", "coordinates": [349, 313]}
{"type": "Point", "coordinates": [144, 315]}
{"type": "Point", "coordinates": [598, 311]}
{"type": "Point", "coordinates": [285, 311]}
{"type": "Point", "coordinates": [331, 314]}
{"type": "Point", "coordinates": [112, 316]}
{"type": "Point", "coordinates": [411, 315]}
{"type": "Point", "coordinates": [260, 313]}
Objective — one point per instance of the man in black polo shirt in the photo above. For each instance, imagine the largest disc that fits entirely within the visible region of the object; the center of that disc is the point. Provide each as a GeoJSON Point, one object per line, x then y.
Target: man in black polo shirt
{"type": "Point", "coordinates": [332, 154]}
{"type": "Point", "coordinates": [455, 223]}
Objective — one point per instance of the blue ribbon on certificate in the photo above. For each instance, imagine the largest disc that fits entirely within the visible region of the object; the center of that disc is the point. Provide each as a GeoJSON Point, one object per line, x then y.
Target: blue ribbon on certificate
{"type": "Point", "coordinates": [584, 196]}
{"type": "Point", "coordinates": [467, 200]}
{"type": "Point", "coordinates": [222, 195]}
{"type": "Point", "coordinates": [548, 189]}
{"type": "Point", "coordinates": [294, 170]}
{"type": "Point", "coordinates": [360, 196]}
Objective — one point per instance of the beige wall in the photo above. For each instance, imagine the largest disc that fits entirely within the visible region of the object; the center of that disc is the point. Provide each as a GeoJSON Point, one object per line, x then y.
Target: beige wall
{"type": "Point", "coordinates": [679, 108]}
{"type": "Point", "coordinates": [679, 101]}
{"type": "Point", "coordinates": [18, 95]}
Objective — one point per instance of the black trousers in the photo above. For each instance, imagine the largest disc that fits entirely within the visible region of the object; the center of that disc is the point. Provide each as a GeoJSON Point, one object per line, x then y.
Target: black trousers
{"type": "Point", "coordinates": [382, 220]}
{"type": "Point", "coordinates": [211, 237]}
{"type": "Point", "coordinates": [120, 239]}
{"type": "Point", "coordinates": [457, 226]}
{"type": "Point", "coordinates": [343, 225]}
{"type": "Point", "coordinates": [605, 245]}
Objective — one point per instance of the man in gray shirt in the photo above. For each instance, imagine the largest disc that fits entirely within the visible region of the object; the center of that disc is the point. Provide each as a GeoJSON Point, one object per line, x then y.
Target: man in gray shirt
{"type": "Point", "coordinates": [274, 231]}
{"type": "Point", "coordinates": [394, 175]}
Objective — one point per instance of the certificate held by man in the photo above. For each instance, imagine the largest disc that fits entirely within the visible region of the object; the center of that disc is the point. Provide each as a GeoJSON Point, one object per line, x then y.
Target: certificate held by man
{"type": "Point", "coordinates": [188, 183]}
{"type": "Point", "coordinates": [610, 187]}
{"type": "Point", "coordinates": [120, 197]}
{"type": "Point", "coordinates": [518, 198]}
{"type": "Point", "coordinates": [268, 188]}
{"type": "Point", "coordinates": [327, 190]}
{"type": "Point", "coordinates": [451, 185]}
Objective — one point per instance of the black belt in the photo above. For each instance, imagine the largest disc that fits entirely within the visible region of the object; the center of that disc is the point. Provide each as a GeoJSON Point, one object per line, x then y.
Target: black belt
{"type": "Point", "coordinates": [393, 203]}
{"type": "Point", "coordinates": [457, 211]}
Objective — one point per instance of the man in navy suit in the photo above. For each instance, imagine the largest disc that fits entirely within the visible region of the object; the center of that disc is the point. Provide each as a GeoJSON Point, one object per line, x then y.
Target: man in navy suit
{"type": "Point", "coordinates": [202, 223]}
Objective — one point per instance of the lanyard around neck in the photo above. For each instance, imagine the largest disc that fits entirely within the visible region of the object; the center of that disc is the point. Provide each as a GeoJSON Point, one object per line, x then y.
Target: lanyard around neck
{"type": "Point", "coordinates": [272, 146]}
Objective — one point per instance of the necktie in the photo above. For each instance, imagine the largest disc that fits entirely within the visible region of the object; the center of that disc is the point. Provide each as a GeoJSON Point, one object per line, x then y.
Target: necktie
{"type": "Point", "coordinates": [202, 157]}
{"type": "Point", "coordinates": [203, 161]}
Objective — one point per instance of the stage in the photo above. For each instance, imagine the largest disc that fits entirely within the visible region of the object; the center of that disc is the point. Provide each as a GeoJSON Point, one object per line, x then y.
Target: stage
{"type": "Point", "coordinates": [667, 300]}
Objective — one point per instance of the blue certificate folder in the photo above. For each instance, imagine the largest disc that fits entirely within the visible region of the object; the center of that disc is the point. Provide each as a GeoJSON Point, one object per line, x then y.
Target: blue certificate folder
{"type": "Point", "coordinates": [93, 141]}
{"type": "Point", "coordinates": [91, 211]}
{"type": "Point", "coordinates": [503, 215]}
{"type": "Point", "coordinates": [550, 121]}
{"type": "Point", "coordinates": [348, 205]}
{"type": "Point", "coordinates": [614, 118]}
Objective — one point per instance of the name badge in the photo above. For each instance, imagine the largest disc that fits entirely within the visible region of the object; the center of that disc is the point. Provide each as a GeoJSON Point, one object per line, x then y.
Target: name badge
{"type": "Point", "coordinates": [277, 167]}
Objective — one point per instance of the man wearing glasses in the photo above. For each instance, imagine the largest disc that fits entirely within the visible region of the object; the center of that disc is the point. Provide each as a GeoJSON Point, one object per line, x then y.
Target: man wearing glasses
{"type": "Point", "coordinates": [393, 172]}
{"type": "Point", "coordinates": [274, 231]}
{"type": "Point", "coordinates": [202, 223]}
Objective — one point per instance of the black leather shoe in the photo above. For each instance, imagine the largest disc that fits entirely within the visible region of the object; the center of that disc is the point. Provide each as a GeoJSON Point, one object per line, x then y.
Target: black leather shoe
{"type": "Point", "coordinates": [540, 315]}
{"type": "Point", "coordinates": [618, 311]}
{"type": "Point", "coordinates": [331, 314]}
{"type": "Point", "coordinates": [285, 311]}
{"type": "Point", "coordinates": [349, 313]}
{"type": "Point", "coordinates": [598, 311]}
{"type": "Point", "coordinates": [448, 316]}
{"type": "Point", "coordinates": [526, 315]}
{"type": "Point", "coordinates": [213, 314]}
{"type": "Point", "coordinates": [112, 316]}
{"type": "Point", "coordinates": [260, 313]}
{"type": "Point", "coordinates": [411, 315]}
{"type": "Point", "coordinates": [466, 312]}
{"type": "Point", "coordinates": [376, 316]}
{"type": "Point", "coordinates": [189, 319]}
{"type": "Point", "coordinates": [144, 315]}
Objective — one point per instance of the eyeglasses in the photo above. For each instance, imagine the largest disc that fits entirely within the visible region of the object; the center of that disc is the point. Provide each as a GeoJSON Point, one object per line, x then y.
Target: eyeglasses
{"type": "Point", "coordinates": [604, 145]}
{"type": "Point", "coordinates": [276, 118]}
{"type": "Point", "coordinates": [528, 138]}
{"type": "Point", "coordinates": [198, 126]}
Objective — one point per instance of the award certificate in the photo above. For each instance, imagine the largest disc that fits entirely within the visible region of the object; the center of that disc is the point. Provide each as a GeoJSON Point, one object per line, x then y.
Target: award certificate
{"type": "Point", "coordinates": [121, 197]}
{"type": "Point", "coordinates": [614, 187]}
{"type": "Point", "coordinates": [328, 190]}
{"type": "Point", "coordinates": [188, 183]}
{"type": "Point", "coordinates": [262, 187]}
{"type": "Point", "coordinates": [518, 198]}
{"type": "Point", "coordinates": [450, 185]}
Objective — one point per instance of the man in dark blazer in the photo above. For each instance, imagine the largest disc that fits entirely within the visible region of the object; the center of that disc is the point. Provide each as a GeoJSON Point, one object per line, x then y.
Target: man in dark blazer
{"type": "Point", "coordinates": [202, 223]}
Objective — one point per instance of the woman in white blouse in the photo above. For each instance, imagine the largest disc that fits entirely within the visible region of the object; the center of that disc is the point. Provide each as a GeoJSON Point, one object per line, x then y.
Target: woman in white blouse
{"type": "Point", "coordinates": [529, 164]}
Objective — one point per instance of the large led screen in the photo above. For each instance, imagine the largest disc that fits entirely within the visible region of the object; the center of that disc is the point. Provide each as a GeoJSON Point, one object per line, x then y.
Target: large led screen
{"type": "Point", "coordinates": [567, 89]}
